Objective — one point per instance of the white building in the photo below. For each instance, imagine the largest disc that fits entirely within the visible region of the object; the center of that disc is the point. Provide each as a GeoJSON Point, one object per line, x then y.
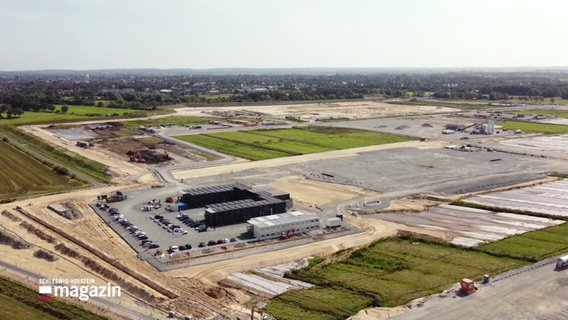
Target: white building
{"type": "Point", "coordinates": [284, 224]}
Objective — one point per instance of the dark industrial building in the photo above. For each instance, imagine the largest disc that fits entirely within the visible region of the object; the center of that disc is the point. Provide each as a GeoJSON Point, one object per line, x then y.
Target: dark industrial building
{"type": "Point", "coordinates": [234, 203]}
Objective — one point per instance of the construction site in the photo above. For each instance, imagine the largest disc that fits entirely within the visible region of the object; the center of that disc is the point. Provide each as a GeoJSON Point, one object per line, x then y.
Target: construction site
{"type": "Point", "coordinates": [164, 188]}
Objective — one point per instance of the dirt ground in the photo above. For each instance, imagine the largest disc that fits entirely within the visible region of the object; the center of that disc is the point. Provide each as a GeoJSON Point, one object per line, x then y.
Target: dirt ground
{"type": "Point", "coordinates": [311, 193]}
{"type": "Point", "coordinates": [120, 168]}
{"type": "Point", "coordinates": [350, 109]}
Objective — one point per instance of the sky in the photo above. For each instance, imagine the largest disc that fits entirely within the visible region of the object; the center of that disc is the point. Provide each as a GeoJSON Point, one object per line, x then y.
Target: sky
{"type": "Point", "coordinates": [105, 34]}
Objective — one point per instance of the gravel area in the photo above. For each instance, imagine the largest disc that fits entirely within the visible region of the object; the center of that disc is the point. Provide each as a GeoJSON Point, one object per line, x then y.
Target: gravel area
{"type": "Point", "coordinates": [470, 227]}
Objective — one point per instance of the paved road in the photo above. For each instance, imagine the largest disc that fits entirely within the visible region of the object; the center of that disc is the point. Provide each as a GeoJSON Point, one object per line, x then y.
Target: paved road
{"type": "Point", "coordinates": [539, 293]}
{"type": "Point", "coordinates": [114, 306]}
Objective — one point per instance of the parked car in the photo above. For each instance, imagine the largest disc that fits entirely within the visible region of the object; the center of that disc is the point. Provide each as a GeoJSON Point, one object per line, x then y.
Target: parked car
{"type": "Point", "coordinates": [212, 243]}
{"type": "Point", "coordinates": [202, 245]}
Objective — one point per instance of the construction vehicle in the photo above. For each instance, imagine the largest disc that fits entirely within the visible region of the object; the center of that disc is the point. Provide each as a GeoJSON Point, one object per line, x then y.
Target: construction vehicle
{"type": "Point", "coordinates": [113, 197]}
{"type": "Point", "coordinates": [467, 286]}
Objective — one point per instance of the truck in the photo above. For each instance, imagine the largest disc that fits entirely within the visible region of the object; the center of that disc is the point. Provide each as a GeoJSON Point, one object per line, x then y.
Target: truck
{"type": "Point", "coordinates": [333, 222]}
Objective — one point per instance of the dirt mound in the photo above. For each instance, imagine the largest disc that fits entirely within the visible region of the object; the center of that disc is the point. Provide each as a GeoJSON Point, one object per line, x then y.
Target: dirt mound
{"type": "Point", "coordinates": [153, 156]}
{"type": "Point", "coordinates": [40, 234]}
{"type": "Point", "coordinates": [10, 216]}
{"type": "Point", "coordinates": [8, 238]}
{"type": "Point", "coordinates": [104, 130]}
{"type": "Point", "coordinates": [427, 125]}
{"type": "Point", "coordinates": [216, 292]}
{"type": "Point", "coordinates": [46, 255]}
{"type": "Point", "coordinates": [106, 273]}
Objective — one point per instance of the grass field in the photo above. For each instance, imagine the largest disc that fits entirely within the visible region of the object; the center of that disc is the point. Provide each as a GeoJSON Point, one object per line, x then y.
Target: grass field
{"type": "Point", "coordinates": [75, 113]}
{"type": "Point", "coordinates": [269, 144]}
{"type": "Point", "coordinates": [22, 175]}
{"type": "Point", "coordinates": [531, 127]}
{"type": "Point", "coordinates": [390, 272]}
{"type": "Point", "coordinates": [532, 246]}
{"type": "Point", "coordinates": [63, 156]}
{"type": "Point", "coordinates": [552, 112]}
{"type": "Point", "coordinates": [19, 302]}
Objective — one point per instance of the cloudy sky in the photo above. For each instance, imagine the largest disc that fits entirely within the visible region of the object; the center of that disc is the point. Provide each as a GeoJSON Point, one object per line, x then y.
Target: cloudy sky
{"type": "Point", "coordinates": [96, 34]}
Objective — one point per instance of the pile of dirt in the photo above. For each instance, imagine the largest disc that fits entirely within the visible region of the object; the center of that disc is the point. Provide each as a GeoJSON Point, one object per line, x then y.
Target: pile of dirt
{"type": "Point", "coordinates": [106, 273]}
{"type": "Point", "coordinates": [46, 255]}
{"type": "Point", "coordinates": [149, 156]}
{"type": "Point", "coordinates": [216, 292]}
{"type": "Point", "coordinates": [72, 213]}
{"type": "Point", "coordinates": [40, 234]}
{"type": "Point", "coordinates": [104, 130]}
{"type": "Point", "coordinates": [12, 240]}
{"type": "Point", "coordinates": [427, 125]}
{"type": "Point", "coordinates": [402, 127]}
{"type": "Point", "coordinates": [10, 216]}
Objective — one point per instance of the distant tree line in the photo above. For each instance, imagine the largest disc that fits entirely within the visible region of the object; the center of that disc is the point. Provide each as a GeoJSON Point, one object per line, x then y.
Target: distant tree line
{"type": "Point", "coordinates": [40, 92]}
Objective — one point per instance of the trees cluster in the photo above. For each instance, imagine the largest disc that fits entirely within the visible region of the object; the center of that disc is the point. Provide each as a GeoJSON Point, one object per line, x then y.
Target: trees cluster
{"type": "Point", "coordinates": [40, 92]}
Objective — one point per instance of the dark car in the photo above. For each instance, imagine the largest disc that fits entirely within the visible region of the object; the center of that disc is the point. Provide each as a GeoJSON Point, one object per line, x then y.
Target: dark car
{"type": "Point", "coordinates": [182, 248]}
{"type": "Point", "coordinates": [233, 240]}
{"type": "Point", "coordinates": [153, 246]}
{"type": "Point", "coordinates": [188, 246]}
{"type": "Point", "coordinates": [144, 242]}
{"type": "Point", "coordinates": [142, 237]}
{"type": "Point", "coordinates": [212, 243]}
{"type": "Point", "coordinates": [220, 241]}
{"type": "Point", "coordinates": [202, 244]}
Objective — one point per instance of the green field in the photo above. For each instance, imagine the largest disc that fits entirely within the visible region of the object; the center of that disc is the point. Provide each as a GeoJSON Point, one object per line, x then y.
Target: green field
{"type": "Point", "coordinates": [22, 175]}
{"type": "Point", "coordinates": [390, 272]}
{"type": "Point", "coordinates": [63, 156]}
{"type": "Point", "coordinates": [269, 144]}
{"type": "Point", "coordinates": [75, 113]}
{"type": "Point", "coordinates": [552, 112]}
{"type": "Point", "coordinates": [532, 127]}
{"type": "Point", "coordinates": [532, 246]}
{"type": "Point", "coordinates": [19, 302]}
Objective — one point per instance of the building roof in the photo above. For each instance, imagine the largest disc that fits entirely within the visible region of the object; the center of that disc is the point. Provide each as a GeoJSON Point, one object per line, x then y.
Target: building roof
{"type": "Point", "coordinates": [282, 218]}
{"type": "Point", "coordinates": [215, 189]}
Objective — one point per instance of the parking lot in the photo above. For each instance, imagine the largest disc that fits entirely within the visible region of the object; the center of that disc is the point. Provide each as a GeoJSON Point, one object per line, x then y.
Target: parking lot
{"type": "Point", "coordinates": [133, 216]}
